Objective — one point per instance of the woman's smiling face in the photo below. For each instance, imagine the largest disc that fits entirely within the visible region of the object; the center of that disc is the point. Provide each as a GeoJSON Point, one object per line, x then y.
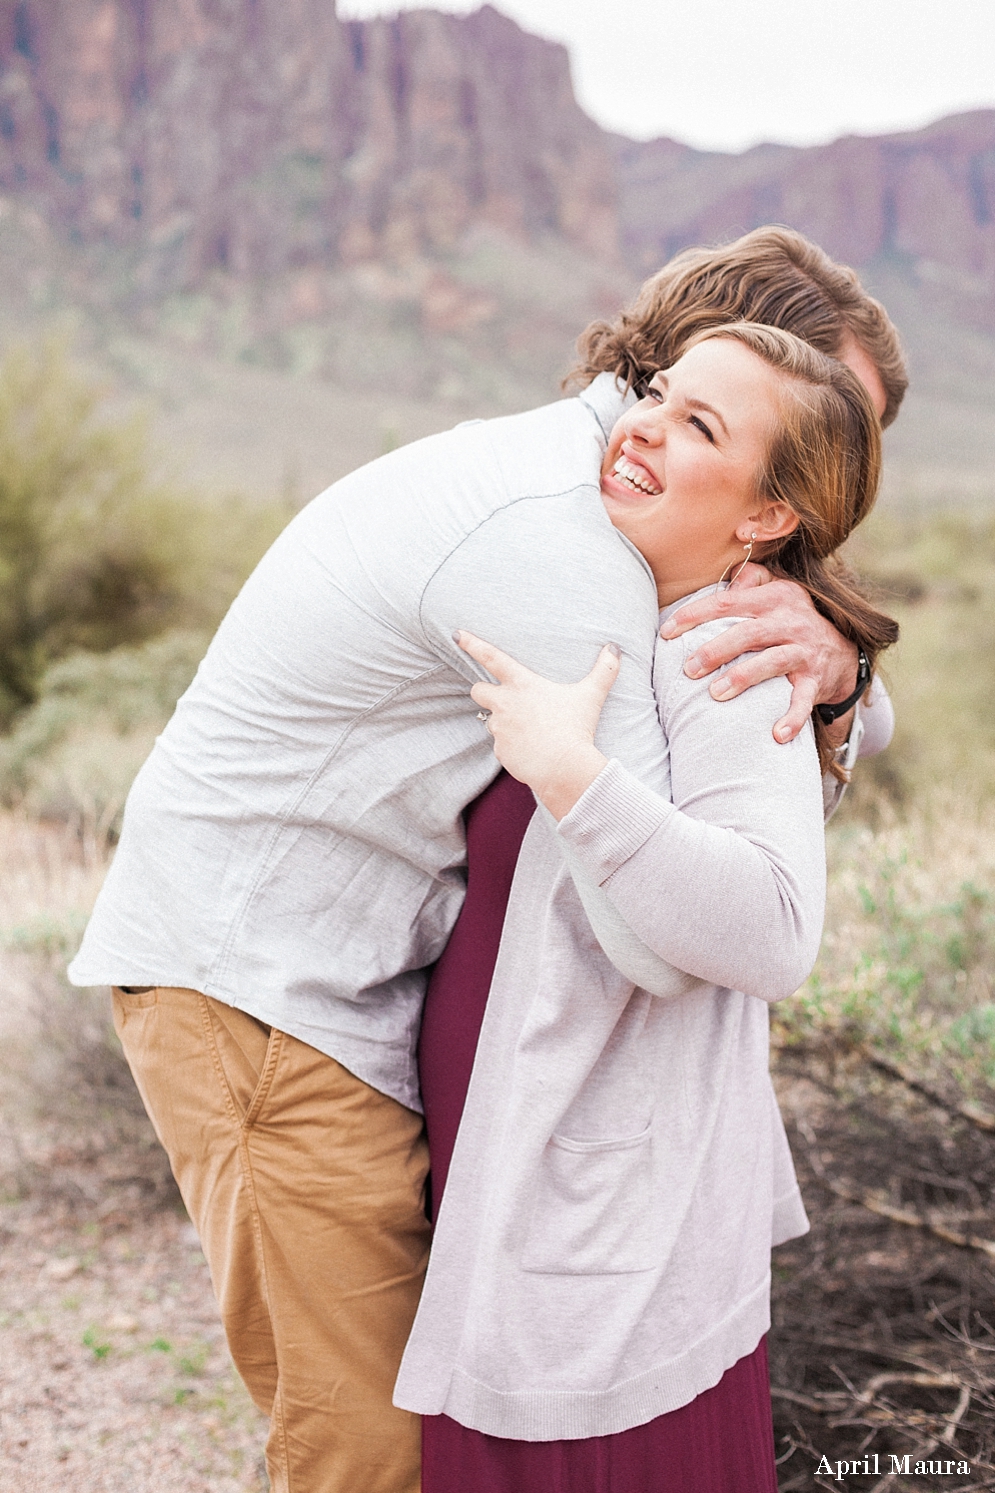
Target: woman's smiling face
{"type": "Point", "coordinates": [680, 475]}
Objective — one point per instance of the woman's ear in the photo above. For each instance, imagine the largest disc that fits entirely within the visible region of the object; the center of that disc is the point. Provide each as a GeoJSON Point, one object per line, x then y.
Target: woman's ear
{"type": "Point", "coordinates": [773, 521]}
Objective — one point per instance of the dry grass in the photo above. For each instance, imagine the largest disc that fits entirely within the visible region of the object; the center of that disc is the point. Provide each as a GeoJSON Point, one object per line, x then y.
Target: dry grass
{"type": "Point", "coordinates": [907, 968]}
{"type": "Point", "coordinates": [49, 877]}
{"type": "Point", "coordinates": [115, 1373]}
{"type": "Point", "coordinates": [72, 1123]}
{"type": "Point", "coordinates": [884, 1315]}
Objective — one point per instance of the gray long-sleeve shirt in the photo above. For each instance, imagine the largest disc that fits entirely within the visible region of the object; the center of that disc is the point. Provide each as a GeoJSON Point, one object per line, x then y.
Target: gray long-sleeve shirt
{"type": "Point", "coordinates": [293, 846]}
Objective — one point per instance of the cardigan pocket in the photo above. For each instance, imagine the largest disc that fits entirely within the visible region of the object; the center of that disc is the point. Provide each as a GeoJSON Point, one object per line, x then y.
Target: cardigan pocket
{"type": "Point", "coordinates": [592, 1213]}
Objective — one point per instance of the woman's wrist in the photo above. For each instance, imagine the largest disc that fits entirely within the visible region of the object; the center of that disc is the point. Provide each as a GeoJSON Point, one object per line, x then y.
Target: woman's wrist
{"type": "Point", "coordinates": [573, 775]}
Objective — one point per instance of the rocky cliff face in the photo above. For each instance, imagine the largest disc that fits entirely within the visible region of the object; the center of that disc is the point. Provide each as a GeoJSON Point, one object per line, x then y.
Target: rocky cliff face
{"type": "Point", "coordinates": [925, 199]}
{"type": "Point", "coordinates": [255, 135]}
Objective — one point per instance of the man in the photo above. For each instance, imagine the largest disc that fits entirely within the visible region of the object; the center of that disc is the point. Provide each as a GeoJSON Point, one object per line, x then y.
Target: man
{"type": "Point", "coordinates": [290, 860]}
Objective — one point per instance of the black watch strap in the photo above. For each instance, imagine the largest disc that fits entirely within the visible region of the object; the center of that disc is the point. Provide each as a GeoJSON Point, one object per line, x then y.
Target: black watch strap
{"type": "Point", "coordinates": [829, 713]}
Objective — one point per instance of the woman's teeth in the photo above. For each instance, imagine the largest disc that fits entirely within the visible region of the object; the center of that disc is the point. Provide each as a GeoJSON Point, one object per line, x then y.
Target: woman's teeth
{"type": "Point", "coordinates": [635, 477]}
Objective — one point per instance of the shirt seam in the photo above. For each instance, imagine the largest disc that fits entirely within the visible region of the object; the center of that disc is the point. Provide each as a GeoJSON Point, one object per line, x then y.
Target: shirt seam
{"type": "Point", "coordinates": [530, 497]}
{"type": "Point", "coordinates": [527, 497]}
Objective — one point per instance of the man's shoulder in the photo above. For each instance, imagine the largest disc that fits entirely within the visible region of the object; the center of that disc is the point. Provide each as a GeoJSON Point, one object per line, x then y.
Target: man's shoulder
{"type": "Point", "coordinates": [553, 448]}
{"type": "Point", "coordinates": [524, 484]}
{"type": "Point", "coordinates": [565, 438]}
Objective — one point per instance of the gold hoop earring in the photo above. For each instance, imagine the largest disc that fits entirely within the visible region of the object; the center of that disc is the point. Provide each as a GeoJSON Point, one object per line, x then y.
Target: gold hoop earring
{"type": "Point", "coordinates": [741, 566]}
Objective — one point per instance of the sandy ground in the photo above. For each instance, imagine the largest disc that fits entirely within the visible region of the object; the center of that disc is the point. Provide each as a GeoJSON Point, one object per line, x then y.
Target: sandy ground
{"type": "Point", "coordinates": [114, 1373]}
{"type": "Point", "coordinates": [113, 1370]}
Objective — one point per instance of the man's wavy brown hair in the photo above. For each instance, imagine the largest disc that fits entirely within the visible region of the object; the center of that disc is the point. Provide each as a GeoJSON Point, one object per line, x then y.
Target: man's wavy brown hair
{"type": "Point", "coordinates": [773, 276]}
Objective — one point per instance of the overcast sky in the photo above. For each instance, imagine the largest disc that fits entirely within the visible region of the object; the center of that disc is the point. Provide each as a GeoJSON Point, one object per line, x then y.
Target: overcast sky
{"type": "Point", "coordinates": [725, 74]}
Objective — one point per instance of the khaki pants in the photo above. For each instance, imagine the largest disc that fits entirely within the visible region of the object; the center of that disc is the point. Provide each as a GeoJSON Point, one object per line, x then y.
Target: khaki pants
{"type": "Point", "coordinates": [305, 1186]}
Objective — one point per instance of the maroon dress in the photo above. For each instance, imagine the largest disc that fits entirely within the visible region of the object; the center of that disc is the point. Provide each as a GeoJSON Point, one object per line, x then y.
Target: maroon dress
{"type": "Point", "coordinates": [723, 1441]}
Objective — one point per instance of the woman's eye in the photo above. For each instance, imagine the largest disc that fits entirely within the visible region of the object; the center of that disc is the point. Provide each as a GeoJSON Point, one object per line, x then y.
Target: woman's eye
{"type": "Point", "coordinates": [655, 394]}
{"type": "Point", "coordinates": [700, 424]}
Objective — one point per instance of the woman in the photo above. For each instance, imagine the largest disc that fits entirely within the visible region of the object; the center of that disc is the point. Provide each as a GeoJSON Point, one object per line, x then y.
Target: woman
{"type": "Point", "coordinates": [595, 1308]}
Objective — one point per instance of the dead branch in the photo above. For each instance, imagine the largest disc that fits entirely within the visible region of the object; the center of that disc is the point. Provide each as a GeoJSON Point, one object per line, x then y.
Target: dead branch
{"type": "Point", "coordinates": [939, 1381]}
{"type": "Point", "coordinates": [960, 1410]}
{"type": "Point", "coordinates": [854, 1345]}
{"type": "Point", "coordinates": [821, 1403]}
{"type": "Point", "coordinates": [931, 1225]}
{"type": "Point", "coordinates": [927, 1381]}
{"type": "Point", "coordinates": [974, 1113]}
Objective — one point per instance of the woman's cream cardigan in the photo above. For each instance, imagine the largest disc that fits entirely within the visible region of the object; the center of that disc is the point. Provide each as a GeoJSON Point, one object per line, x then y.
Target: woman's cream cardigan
{"type": "Point", "coordinates": [602, 1253]}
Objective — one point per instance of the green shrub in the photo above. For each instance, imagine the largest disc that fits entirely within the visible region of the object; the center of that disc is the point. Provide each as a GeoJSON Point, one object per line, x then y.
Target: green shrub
{"type": "Point", "coordinates": [73, 753]}
{"type": "Point", "coordinates": [93, 553]}
{"type": "Point", "coordinates": [906, 967]}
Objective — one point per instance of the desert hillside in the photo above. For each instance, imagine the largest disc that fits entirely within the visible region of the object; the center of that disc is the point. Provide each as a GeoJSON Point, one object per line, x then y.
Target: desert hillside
{"type": "Point", "coordinates": [252, 215]}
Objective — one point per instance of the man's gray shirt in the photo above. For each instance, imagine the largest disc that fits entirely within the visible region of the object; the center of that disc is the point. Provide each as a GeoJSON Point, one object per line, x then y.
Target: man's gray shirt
{"type": "Point", "coordinates": [294, 846]}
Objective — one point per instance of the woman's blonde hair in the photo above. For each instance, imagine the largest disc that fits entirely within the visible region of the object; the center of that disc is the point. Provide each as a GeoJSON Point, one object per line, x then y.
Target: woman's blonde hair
{"type": "Point", "coordinates": [772, 275]}
{"type": "Point", "coordinates": [824, 462]}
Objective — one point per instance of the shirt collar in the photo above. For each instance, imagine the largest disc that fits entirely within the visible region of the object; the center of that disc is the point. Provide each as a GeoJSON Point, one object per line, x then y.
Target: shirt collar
{"type": "Point", "coordinates": [606, 398]}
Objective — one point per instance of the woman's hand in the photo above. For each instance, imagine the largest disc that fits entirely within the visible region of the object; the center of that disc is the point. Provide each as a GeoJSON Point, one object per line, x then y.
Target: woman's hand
{"type": "Point", "coordinates": [544, 732]}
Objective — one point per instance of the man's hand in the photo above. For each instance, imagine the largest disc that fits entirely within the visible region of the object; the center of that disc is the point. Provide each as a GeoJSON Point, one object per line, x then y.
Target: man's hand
{"type": "Point", "coordinates": [785, 634]}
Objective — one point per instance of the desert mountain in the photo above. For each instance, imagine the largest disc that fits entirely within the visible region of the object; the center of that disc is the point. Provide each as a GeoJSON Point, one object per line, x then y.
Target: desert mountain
{"type": "Point", "coordinates": [258, 180]}
{"type": "Point", "coordinates": [924, 199]}
{"type": "Point", "coordinates": [255, 135]}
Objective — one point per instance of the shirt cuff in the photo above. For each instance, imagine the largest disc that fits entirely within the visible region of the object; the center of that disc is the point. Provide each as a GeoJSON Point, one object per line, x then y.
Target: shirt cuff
{"type": "Point", "coordinates": [612, 819]}
{"type": "Point", "coordinates": [846, 757]}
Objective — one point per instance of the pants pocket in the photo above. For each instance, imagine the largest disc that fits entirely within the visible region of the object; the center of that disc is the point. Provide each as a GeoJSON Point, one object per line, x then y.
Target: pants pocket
{"type": "Point", "coordinates": [135, 999]}
{"type": "Point", "coordinates": [245, 1054]}
{"type": "Point", "coordinates": [593, 1211]}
